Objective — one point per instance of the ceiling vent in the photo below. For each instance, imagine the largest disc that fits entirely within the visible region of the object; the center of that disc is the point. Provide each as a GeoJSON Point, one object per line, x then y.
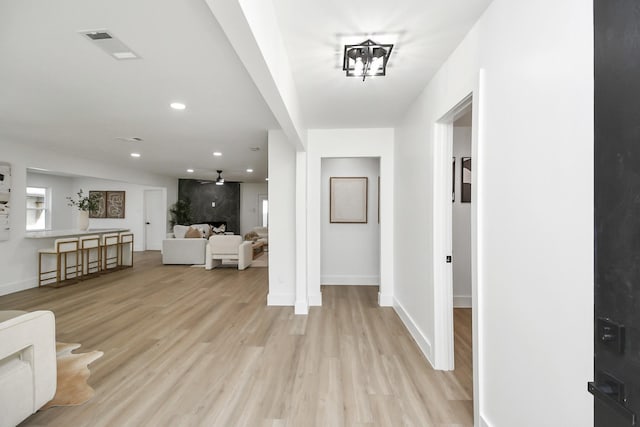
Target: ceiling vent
{"type": "Point", "coordinates": [254, 148]}
{"type": "Point", "coordinates": [106, 41]}
{"type": "Point", "coordinates": [129, 138]}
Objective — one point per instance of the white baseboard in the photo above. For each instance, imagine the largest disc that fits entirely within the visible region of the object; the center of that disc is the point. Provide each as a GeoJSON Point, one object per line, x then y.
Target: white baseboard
{"type": "Point", "coordinates": [286, 300]}
{"type": "Point", "coordinates": [484, 422]}
{"type": "Point", "coordinates": [423, 343]}
{"type": "Point", "coordinates": [315, 300]}
{"type": "Point", "coordinates": [301, 307]}
{"type": "Point", "coordinates": [462, 301]}
{"type": "Point", "coordinates": [385, 300]}
{"type": "Point", "coordinates": [20, 285]}
{"type": "Point", "coordinates": [350, 280]}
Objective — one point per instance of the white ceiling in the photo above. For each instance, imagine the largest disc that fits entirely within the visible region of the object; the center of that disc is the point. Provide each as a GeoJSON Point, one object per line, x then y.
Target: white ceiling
{"type": "Point", "coordinates": [58, 90]}
{"type": "Point", "coordinates": [425, 32]}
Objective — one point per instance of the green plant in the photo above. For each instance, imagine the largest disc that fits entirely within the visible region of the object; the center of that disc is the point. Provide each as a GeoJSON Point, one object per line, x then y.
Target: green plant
{"type": "Point", "coordinates": [90, 203]}
{"type": "Point", "coordinates": [181, 212]}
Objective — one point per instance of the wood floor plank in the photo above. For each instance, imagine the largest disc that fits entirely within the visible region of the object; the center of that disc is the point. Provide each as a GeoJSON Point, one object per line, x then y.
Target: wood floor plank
{"type": "Point", "coordinates": [189, 347]}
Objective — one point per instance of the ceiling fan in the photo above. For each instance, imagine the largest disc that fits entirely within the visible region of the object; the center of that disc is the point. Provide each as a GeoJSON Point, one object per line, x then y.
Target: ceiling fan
{"type": "Point", "coordinates": [219, 180]}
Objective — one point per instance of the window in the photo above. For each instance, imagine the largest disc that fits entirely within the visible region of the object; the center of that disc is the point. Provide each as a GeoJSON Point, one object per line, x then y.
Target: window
{"type": "Point", "coordinates": [265, 213]}
{"type": "Point", "coordinates": [38, 212]}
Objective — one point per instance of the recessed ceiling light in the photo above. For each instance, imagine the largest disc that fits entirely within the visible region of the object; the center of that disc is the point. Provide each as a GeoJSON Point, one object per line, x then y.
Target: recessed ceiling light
{"type": "Point", "coordinates": [135, 154]}
{"type": "Point", "coordinates": [249, 170]}
{"type": "Point", "coordinates": [190, 170]}
{"type": "Point", "coordinates": [217, 153]}
{"type": "Point", "coordinates": [178, 106]}
{"type": "Point", "coordinates": [124, 55]}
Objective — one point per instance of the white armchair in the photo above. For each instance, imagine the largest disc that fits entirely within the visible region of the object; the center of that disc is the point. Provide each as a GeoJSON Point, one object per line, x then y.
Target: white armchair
{"type": "Point", "coordinates": [228, 248]}
{"type": "Point", "coordinates": [27, 364]}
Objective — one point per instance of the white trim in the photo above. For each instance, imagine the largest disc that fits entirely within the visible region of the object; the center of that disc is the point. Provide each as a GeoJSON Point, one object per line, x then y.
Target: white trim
{"type": "Point", "coordinates": [419, 337]}
{"type": "Point", "coordinates": [483, 422]}
{"type": "Point", "coordinates": [287, 300]}
{"type": "Point", "coordinates": [350, 280]}
{"type": "Point", "coordinates": [462, 301]}
{"type": "Point", "coordinates": [385, 300]}
{"type": "Point", "coordinates": [20, 285]}
{"type": "Point", "coordinates": [301, 308]}
{"type": "Point", "coordinates": [315, 300]}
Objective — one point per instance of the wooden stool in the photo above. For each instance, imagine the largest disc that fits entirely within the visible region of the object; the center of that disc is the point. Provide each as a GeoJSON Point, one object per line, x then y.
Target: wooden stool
{"type": "Point", "coordinates": [125, 246]}
{"type": "Point", "coordinates": [90, 256]}
{"type": "Point", "coordinates": [109, 244]}
{"type": "Point", "coordinates": [68, 264]}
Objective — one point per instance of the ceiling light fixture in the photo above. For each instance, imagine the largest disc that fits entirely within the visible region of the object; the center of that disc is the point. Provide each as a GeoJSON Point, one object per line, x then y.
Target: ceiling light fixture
{"type": "Point", "coordinates": [178, 106]}
{"type": "Point", "coordinates": [266, 179]}
{"type": "Point", "coordinates": [190, 170]}
{"type": "Point", "coordinates": [220, 179]}
{"type": "Point", "coordinates": [217, 153]}
{"type": "Point", "coordinates": [366, 59]}
{"type": "Point", "coordinates": [135, 154]}
{"type": "Point", "coordinates": [249, 170]}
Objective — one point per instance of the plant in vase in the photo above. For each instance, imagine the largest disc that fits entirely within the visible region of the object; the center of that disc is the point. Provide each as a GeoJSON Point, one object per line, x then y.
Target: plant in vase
{"type": "Point", "coordinates": [85, 204]}
{"type": "Point", "coordinates": [181, 212]}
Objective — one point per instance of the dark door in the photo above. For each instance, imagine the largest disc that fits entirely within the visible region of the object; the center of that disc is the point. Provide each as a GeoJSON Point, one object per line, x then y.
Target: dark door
{"type": "Point", "coordinates": [616, 386]}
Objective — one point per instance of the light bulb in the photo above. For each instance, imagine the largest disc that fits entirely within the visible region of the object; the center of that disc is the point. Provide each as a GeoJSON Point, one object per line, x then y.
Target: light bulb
{"type": "Point", "coordinates": [359, 67]}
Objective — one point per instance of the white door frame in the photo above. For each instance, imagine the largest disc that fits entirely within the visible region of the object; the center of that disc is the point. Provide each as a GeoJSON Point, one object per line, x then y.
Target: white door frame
{"type": "Point", "coordinates": [443, 235]}
{"type": "Point", "coordinates": [443, 279]}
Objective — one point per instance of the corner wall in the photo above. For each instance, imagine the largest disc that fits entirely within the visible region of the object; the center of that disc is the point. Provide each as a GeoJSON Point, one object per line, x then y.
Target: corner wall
{"type": "Point", "coordinates": [530, 68]}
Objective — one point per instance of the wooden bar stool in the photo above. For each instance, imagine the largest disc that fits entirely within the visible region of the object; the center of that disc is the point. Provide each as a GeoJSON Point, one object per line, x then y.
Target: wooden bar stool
{"type": "Point", "coordinates": [90, 256]}
{"type": "Point", "coordinates": [125, 245]}
{"type": "Point", "coordinates": [109, 244]}
{"type": "Point", "coordinates": [67, 263]}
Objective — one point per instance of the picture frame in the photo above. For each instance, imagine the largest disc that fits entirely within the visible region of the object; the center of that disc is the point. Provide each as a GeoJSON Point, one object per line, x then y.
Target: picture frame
{"type": "Point", "coordinates": [115, 204]}
{"type": "Point", "coordinates": [102, 204]}
{"type": "Point", "coordinates": [453, 180]}
{"type": "Point", "coordinates": [348, 200]}
{"type": "Point", "coordinates": [465, 189]}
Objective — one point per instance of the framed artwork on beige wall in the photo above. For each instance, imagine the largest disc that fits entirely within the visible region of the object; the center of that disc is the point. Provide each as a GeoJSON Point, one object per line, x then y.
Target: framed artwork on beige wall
{"type": "Point", "coordinates": [348, 201]}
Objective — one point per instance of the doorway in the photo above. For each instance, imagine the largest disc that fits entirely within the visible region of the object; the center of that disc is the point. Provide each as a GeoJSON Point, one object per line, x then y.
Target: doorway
{"type": "Point", "coordinates": [456, 348]}
{"type": "Point", "coordinates": [155, 220]}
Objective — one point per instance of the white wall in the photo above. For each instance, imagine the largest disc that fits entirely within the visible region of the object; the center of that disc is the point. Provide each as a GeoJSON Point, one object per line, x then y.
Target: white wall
{"type": "Point", "coordinates": [249, 206]}
{"type": "Point", "coordinates": [461, 223]}
{"type": "Point", "coordinates": [18, 256]}
{"type": "Point", "coordinates": [282, 220]}
{"type": "Point", "coordinates": [329, 143]}
{"type": "Point", "coordinates": [340, 242]}
{"type": "Point", "coordinates": [60, 188]}
{"type": "Point", "coordinates": [533, 106]}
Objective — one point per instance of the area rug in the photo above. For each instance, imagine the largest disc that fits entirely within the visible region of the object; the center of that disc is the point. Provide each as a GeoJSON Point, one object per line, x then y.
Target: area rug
{"type": "Point", "coordinates": [73, 372]}
{"type": "Point", "coordinates": [261, 261]}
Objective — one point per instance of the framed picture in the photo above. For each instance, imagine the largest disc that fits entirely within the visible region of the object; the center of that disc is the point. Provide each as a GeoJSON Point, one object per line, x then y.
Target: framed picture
{"type": "Point", "coordinates": [5, 195]}
{"type": "Point", "coordinates": [453, 180]}
{"type": "Point", "coordinates": [102, 204]}
{"type": "Point", "coordinates": [465, 196]}
{"type": "Point", "coordinates": [348, 200]}
{"type": "Point", "coordinates": [115, 204]}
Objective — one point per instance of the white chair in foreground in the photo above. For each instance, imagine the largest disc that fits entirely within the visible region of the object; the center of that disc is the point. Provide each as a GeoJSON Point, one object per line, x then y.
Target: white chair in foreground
{"type": "Point", "coordinates": [27, 364]}
{"type": "Point", "coordinates": [223, 247]}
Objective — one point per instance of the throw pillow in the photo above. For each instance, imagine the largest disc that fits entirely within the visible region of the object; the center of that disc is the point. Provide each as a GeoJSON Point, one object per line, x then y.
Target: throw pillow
{"type": "Point", "coordinates": [251, 236]}
{"type": "Point", "coordinates": [179, 231]}
{"type": "Point", "coordinates": [219, 230]}
{"type": "Point", "coordinates": [193, 233]}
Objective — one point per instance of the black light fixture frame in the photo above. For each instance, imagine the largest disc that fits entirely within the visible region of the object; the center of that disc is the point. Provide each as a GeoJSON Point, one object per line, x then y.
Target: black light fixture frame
{"type": "Point", "coordinates": [220, 179]}
{"type": "Point", "coordinates": [367, 50]}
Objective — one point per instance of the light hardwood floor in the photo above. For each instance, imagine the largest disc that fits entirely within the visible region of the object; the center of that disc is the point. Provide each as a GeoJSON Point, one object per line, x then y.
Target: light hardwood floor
{"type": "Point", "coordinates": [184, 346]}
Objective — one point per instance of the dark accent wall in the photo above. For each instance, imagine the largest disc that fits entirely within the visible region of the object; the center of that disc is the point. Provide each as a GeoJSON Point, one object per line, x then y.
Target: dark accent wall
{"type": "Point", "coordinates": [226, 197]}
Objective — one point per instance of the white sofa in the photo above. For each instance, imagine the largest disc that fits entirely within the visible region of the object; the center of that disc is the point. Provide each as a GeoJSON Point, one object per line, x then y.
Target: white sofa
{"type": "Point", "coordinates": [27, 364]}
{"type": "Point", "coordinates": [228, 248]}
{"type": "Point", "coordinates": [177, 249]}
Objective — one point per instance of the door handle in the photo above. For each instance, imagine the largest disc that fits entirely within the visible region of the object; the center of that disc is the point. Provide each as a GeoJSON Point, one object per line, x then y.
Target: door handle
{"type": "Point", "coordinates": [147, 223]}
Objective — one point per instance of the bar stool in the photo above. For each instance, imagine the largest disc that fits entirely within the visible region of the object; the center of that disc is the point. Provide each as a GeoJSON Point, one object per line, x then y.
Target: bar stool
{"type": "Point", "coordinates": [109, 244]}
{"type": "Point", "coordinates": [90, 256]}
{"type": "Point", "coordinates": [68, 265]}
{"type": "Point", "coordinates": [126, 249]}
